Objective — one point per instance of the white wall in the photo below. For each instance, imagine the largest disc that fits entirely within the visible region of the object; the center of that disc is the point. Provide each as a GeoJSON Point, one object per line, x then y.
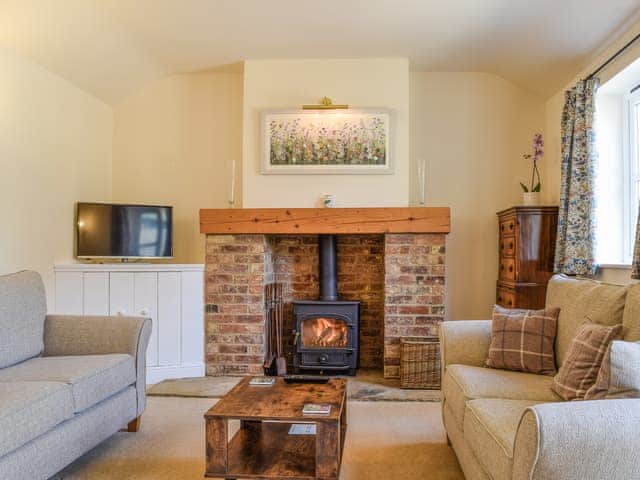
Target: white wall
{"type": "Point", "coordinates": [55, 149]}
{"type": "Point", "coordinates": [472, 129]}
{"type": "Point", "coordinates": [273, 84]}
{"type": "Point", "coordinates": [174, 141]}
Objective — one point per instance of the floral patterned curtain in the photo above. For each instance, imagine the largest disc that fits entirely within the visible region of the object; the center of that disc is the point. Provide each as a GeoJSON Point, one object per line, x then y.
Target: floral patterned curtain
{"type": "Point", "coordinates": [575, 247]}
{"type": "Point", "coordinates": [635, 266]}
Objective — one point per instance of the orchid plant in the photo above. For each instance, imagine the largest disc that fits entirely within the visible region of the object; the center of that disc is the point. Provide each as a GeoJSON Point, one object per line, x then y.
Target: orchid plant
{"type": "Point", "coordinates": [538, 152]}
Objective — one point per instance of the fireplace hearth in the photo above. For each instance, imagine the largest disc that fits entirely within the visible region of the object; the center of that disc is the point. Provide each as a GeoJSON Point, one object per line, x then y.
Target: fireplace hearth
{"type": "Point", "coordinates": [326, 334]}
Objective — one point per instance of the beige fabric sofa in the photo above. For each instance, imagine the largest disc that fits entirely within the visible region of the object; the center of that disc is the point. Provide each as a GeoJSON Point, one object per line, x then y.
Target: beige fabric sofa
{"type": "Point", "coordinates": [511, 425]}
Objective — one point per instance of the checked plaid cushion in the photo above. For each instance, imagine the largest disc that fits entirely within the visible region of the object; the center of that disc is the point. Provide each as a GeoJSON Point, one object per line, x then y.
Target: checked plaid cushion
{"type": "Point", "coordinates": [579, 371]}
{"type": "Point", "coordinates": [523, 340]}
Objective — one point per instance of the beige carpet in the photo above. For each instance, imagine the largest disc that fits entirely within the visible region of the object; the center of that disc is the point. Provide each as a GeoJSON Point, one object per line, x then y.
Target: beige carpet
{"type": "Point", "coordinates": [367, 385]}
{"type": "Point", "coordinates": [385, 440]}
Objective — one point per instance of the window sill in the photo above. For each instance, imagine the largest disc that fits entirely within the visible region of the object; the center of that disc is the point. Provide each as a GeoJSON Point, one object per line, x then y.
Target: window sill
{"type": "Point", "coordinates": [619, 266]}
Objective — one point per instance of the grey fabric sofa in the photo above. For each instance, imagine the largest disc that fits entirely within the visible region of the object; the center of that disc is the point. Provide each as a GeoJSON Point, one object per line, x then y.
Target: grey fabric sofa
{"type": "Point", "coordinates": [511, 425]}
{"type": "Point", "coordinates": [66, 382]}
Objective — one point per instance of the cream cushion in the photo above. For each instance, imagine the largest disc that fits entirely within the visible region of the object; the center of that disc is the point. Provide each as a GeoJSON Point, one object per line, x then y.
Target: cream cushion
{"type": "Point", "coordinates": [580, 301]}
{"type": "Point", "coordinates": [490, 427]}
{"type": "Point", "coordinates": [462, 383]}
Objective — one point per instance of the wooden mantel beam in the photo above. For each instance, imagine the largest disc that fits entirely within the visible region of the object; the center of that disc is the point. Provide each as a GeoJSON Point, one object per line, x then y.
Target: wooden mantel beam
{"type": "Point", "coordinates": [224, 221]}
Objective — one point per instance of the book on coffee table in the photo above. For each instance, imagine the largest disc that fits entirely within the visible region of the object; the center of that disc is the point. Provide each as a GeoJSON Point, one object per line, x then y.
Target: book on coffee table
{"type": "Point", "coordinates": [262, 381]}
{"type": "Point", "coordinates": [316, 409]}
{"type": "Point", "coordinates": [303, 429]}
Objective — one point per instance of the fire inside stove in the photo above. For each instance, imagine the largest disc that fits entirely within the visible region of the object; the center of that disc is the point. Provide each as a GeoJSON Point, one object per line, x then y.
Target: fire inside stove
{"type": "Point", "coordinates": [324, 332]}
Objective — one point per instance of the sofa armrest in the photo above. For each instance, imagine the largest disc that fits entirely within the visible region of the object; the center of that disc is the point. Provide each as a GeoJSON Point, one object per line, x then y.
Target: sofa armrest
{"type": "Point", "coordinates": [578, 440]}
{"type": "Point", "coordinates": [100, 335]}
{"type": "Point", "coordinates": [464, 342]}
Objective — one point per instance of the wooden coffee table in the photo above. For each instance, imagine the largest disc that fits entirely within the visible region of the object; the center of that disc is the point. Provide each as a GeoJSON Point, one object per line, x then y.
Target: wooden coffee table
{"type": "Point", "coordinates": [262, 447]}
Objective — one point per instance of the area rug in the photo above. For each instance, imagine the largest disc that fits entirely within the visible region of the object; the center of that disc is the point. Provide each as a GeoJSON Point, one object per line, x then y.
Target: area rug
{"type": "Point", "coordinates": [385, 441]}
{"type": "Point", "coordinates": [367, 386]}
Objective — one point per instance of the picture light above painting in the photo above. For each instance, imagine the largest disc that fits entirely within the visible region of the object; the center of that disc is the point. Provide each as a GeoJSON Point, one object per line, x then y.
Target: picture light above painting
{"type": "Point", "coordinates": [322, 142]}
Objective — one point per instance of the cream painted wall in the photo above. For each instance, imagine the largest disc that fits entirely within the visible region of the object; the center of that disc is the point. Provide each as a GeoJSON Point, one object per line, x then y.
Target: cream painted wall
{"type": "Point", "coordinates": [472, 129]}
{"type": "Point", "coordinates": [174, 141]}
{"type": "Point", "coordinates": [273, 84]}
{"type": "Point", "coordinates": [55, 149]}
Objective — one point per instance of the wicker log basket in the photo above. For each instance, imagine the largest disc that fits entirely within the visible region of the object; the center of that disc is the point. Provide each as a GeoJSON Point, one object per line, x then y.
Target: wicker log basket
{"type": "Point", "coordinates": [420, 362]}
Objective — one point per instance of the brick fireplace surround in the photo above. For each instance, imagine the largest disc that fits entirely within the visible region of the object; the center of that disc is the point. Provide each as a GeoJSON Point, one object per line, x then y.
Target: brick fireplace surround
{"type": "Point", "coordinates": [398, 277]}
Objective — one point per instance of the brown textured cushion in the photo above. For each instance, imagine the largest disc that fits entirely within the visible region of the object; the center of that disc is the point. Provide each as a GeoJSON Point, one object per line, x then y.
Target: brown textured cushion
{"type": "Point", "coordinates": [584, 358]}
{"type": "Point", "coordinates": [522, 340]}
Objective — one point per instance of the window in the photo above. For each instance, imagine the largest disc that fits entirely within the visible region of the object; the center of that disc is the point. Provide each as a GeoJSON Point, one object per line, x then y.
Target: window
{"type": "Point", "coordinates": [631, 158]}
{"type": "Point", "coordinates": [618, 169]}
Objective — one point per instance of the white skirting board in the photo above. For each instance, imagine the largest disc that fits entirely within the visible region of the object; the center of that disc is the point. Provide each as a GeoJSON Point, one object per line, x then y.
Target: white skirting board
{"type": "Point", "coordinates": [172, 295]}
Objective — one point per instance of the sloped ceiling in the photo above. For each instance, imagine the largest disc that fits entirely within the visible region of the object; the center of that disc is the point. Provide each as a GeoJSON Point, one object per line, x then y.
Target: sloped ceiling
{"type": "Point", "coordinates": [112, 47]}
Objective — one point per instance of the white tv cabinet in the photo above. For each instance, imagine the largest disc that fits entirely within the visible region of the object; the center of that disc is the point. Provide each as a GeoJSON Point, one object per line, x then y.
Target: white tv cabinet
{"type": "Point", "coordinates": [171, 294]}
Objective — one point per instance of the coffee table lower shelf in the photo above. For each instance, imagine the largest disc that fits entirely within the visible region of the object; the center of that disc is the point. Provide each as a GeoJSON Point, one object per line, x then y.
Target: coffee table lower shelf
{"type": "Point", "coordinates": [265, 450]}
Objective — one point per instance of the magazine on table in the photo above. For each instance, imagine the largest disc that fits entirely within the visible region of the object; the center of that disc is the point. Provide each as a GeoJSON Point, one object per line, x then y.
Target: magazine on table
{"type": "Point", "coordinates": [262, 381]}
{"type": "Point", "coordinates": [316, 409]}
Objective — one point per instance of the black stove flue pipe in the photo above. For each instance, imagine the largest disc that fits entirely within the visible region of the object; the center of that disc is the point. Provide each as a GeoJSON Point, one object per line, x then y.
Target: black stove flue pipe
{"type": "Point", "coordinates": [327, 246]}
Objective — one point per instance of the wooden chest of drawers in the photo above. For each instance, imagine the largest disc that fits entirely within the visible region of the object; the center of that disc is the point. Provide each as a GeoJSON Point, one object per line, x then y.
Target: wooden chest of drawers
{"type": "Point", "coordinates": [526, 241]}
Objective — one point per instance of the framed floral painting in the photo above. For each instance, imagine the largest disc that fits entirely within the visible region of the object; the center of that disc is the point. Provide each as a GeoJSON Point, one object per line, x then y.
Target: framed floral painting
{"type": "Point", "coordinates": [326, 141]}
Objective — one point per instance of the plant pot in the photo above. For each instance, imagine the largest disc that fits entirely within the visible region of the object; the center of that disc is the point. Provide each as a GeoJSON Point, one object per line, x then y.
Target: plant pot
{"type": "Point", "coordinates": [531, 199]}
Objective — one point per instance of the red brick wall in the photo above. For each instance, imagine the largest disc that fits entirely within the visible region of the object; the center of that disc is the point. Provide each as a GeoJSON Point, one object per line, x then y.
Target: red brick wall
{"type": "Point", "coordinates": [398, 278]}
{"type": "Point", "coordinates": [361, 277]}
{"type": "Point", "coordinates": [414, 291]}
{"type": "Point", "coordinates": [236, 272]}
{"type": "Point", "coordinates": [295, 263]}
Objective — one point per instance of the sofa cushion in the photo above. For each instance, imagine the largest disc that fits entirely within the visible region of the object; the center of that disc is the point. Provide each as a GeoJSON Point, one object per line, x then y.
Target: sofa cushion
{"type": "Point", "coordinates": [92, 377]}
{"type": "Point", "coordinates": [619, 375]}
{"type": "Point", "coordinates": [631, 315]}
{"type": "Point", "coordinates": [523, 340]}
{"type": "Point", "coordinates": [580, 370]}
{"type": "Point", "coordinates": [580, 300]}
{"type": "Point", "coordinates": [29, 409]}
{"type": "Point", "coordinates": [22, 311]}
{"type": "Point", "coordinates": [490, 427]}
{"type": "Point", "coordinates": [462, 383]}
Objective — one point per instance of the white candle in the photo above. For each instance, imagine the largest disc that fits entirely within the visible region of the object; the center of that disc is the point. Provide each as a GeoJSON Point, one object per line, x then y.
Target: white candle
{"type": "Point", "coordinates": [422, 167]}
{"type": "Point", "coordinates": [232, 195]}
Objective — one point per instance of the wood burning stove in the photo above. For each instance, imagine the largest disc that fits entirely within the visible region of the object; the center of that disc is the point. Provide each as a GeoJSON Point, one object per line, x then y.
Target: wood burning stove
{"type": "Point", "coordinates": [326, 335]}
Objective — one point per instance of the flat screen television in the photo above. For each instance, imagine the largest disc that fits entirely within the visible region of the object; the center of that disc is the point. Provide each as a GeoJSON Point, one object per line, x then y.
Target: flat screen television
{"type": "Point", "coordinates": [109, 230]}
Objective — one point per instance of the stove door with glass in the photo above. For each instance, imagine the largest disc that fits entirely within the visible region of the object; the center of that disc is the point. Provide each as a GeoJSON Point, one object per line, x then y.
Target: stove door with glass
{"type": "Point", "coordinates": [326, 336]}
